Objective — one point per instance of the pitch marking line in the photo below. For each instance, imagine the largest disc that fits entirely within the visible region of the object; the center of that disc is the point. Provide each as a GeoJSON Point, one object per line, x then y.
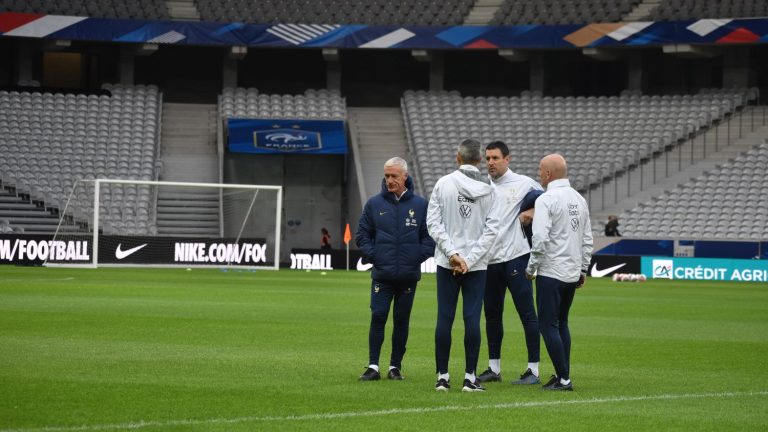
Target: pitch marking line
{"type": "Point", "coordinates": [341, 415]}
{"type": "Point", "coordinates": [38, 280]}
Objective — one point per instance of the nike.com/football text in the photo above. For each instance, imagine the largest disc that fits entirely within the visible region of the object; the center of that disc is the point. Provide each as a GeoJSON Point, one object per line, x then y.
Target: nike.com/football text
{"type": "Point", "coordinates": [44, 250]}
{"type": "Point", "coordinates": [220, 253]}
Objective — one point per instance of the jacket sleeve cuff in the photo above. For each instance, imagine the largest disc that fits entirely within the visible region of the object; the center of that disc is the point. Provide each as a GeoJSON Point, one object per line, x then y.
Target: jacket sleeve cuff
{"type": "Point", "coordinates": [469, 263]}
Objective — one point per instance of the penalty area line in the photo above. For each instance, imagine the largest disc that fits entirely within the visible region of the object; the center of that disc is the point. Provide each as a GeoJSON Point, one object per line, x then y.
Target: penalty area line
{"type": "Point", "coordinates": [378, 413]}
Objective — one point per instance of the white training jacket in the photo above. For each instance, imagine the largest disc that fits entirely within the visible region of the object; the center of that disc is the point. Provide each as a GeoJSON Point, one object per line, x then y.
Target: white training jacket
{"type": "Point", "coordinates": [510, 190]}
{"type": "Point", "coordinates": [562, 234]}
{"type": "Point", "coordinates": [461, 218]}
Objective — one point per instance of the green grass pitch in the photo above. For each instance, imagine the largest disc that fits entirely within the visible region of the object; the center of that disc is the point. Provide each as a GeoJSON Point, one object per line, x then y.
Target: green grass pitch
{"type": "Point", "coordinates": [207, 350]}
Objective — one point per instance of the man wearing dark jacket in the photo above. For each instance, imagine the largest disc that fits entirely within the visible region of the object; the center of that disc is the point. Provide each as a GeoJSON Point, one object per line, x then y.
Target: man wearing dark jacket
{"type": "Point", "coordinates": [392, 235]}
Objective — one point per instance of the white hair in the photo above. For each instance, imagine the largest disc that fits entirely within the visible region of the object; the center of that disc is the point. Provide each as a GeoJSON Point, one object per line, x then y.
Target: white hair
{"type": "Point", "coordinates": [398, 162]}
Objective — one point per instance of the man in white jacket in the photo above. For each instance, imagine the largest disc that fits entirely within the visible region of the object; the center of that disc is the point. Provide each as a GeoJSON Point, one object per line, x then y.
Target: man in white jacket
{"type": "Point", "coordinates": [560, 255]}
{"type": "Point", "coordinates": [506, 268]}
{"type": "Point", "coordinates": [462, 220]}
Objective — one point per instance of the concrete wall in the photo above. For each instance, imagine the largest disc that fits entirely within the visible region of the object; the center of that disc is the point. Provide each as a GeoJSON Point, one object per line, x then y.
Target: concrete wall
{"type": "Point", "coordinates": [313, 194]}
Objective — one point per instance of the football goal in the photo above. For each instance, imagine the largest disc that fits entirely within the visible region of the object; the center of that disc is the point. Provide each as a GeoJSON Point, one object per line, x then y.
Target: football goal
{"type": "Point", "coordinates": [111, 222]}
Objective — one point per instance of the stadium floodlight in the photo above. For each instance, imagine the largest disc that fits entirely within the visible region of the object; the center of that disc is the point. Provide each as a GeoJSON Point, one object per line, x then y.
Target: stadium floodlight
{"type": "Point", "coordinates": [134, 223]}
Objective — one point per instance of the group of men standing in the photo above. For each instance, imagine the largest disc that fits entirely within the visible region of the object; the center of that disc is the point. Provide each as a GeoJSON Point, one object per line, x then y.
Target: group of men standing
{"type": "Point", "coordinates": [475, 227]}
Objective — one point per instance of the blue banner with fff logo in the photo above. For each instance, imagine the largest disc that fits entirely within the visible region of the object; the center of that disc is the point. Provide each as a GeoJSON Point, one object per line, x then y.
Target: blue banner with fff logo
{"type": "Point", "coordinates": [287, 136]}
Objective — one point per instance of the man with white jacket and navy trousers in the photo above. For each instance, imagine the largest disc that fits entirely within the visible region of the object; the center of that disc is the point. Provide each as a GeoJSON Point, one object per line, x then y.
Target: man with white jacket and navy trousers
{"type": "Point", "coordinates": [506, 268]}
{"type": "Point", "coordinates": [560, 255]}
{"type": "Point", "coordinates": [462, 220]}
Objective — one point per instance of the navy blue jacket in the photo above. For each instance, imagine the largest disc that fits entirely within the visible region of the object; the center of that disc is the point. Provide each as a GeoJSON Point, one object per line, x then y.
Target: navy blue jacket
{"type": "Point", "coordinates": [529, 201]}
{"type": "Point", "coordinates": [393, 235]}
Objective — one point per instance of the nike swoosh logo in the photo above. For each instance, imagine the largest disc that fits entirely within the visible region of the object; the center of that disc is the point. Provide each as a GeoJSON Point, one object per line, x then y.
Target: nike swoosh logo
{"type": "Point", "coordinates": [120, 254]}
{"type": "Point", "coordinates": [600, 273]}
{"type": "Point", "coordinates": [382, 213]}
{"type": "Point", "coordinates": [363, 267]}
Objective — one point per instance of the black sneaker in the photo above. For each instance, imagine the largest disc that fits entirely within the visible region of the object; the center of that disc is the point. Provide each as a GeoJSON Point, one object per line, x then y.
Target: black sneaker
{"type": "Point", "coordinates": [443, 385]}
{"type": "Point", "coordinates": [370, 374]}
{"type": "Point", "coordinates": [394, 374]}
{"type": "Point", "coordinates": [552, 380]}
{"type": "Point", "coordinates": [527, 378]}
{"type": "Point", "coordinates": [470, 386]}
{"type": "Point", "coordinates": [489, 376]}
{"type": "Point", "coordinates": [557, 386]}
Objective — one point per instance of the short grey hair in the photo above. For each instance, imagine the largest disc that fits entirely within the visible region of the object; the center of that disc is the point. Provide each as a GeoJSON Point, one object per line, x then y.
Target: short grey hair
{"type": "Point", "coordinates": [398, 162]}
{"type": "Point", "coordinates": [469, 152]}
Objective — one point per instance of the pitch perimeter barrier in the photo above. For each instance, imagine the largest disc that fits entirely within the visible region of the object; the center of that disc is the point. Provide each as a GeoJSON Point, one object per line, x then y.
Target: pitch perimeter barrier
{"type": "Point", "coordinates": [24, 249]}
{"type": "Point", "coordinates": [700, 248]}
{"type": "Point", "coordinates": [738, 270]}
{"type": "Point", "coordinates": [321, 259]}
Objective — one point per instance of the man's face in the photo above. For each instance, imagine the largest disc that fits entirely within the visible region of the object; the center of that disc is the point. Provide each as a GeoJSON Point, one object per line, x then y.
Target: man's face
{"type": "Point", "coordinates": [395, 178]}
{"type": "Point", "coordinates": [497, 163]}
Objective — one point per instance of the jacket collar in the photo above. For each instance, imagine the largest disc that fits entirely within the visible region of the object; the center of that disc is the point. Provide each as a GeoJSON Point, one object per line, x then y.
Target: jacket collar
{"type": "Point", "coordinates": [473, 172]}
{"type": "Point", "coordinates": [505, 178]}
{"type": "Point", "coordinates": [559, 183]}
{"type": "Point", "coordinates": [389, 196]}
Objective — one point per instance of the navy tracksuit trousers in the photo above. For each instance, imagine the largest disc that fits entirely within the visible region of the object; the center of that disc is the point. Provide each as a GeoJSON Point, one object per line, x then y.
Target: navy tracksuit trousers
{"type": "Point", "coordinates": [382, 296]}
{"type": "Point", "coordinates": [510, 275]}
{"type": "Point", "coordinates": [553, 300]}
{"type": "Point", "coordinates": [472, 287]}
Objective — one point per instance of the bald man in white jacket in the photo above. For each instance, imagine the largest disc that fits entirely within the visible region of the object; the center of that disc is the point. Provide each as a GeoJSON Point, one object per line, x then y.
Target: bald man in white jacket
{"type": "Point", "coordinates": [462, 219]}
{"type": "Point", "coordinates": [560, 255]}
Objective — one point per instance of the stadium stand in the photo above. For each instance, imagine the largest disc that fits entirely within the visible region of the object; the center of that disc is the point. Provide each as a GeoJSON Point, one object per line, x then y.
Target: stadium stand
{"type": "Point", "coordinates": [48, 141]}
{"type": "Point", "coordinates": [519, 12]}
{"type": "Point", "coordinates": [674, 10]}
{"type": "Point", "coordinates": [313, 104]}
{"type": "Point", "coordinates": [600, 137]}
{"type": "Point", "coordinates": [130, 9]}
{"type": "Point", "coordinates": [728, 202]}
{"type": "Point", "coordinates": [371, 12]}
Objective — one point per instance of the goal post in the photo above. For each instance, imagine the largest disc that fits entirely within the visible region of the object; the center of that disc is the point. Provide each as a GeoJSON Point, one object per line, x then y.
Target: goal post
{"type": "Point", "coordinates": [142, 223]}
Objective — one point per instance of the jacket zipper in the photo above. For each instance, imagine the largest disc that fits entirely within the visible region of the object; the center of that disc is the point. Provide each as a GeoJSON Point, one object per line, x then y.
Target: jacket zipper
{"type": "Point", "coordinates": [397, 241]}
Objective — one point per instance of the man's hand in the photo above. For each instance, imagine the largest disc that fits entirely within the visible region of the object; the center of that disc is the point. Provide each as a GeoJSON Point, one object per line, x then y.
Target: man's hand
{"type": "Point", "coordinates": [529, 276]}
{"type": "Point", "coordinates": [458, 264]}
{"type": "Point", "coordinates": [526, 217]}
{"type": "Point", "coordinates": [582, 279]}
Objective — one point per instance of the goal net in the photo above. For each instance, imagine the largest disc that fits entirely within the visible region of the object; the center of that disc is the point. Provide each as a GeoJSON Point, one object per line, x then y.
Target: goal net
{"type": "Point", "coordinates": [168, 224]}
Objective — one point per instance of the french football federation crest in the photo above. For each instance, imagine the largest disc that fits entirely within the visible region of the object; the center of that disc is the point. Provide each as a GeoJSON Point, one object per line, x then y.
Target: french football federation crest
{"type": "Point", "coordinates": [411, 220]}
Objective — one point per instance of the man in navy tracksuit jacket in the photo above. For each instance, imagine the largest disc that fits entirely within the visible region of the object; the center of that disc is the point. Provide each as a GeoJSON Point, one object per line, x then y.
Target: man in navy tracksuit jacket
{"type": "Point", "coordinates": [392, 235]}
